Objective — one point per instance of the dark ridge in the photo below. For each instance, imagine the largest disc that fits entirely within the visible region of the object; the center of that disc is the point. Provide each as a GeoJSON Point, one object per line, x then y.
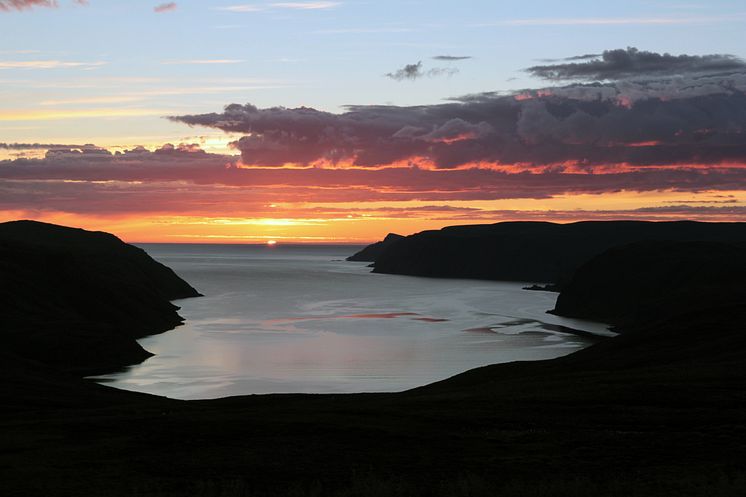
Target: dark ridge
{"type": "Point", "coordinates": [78, 300]}
{"type": "Point", "coordinates": [371, 252]}
{"type": "Point", "coordinates": [532, 251]}
{"type": "Point", "coordinates": [658, 410]}
{"type": "Point", "coordinates": [636, 283]}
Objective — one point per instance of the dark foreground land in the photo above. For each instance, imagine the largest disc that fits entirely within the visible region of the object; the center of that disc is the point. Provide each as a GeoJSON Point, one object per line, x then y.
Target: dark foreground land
{"type": "Point", "coordinates": [658, 410]}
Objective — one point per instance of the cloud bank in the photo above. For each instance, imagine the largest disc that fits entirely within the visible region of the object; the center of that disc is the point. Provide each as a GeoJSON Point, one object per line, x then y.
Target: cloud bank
{"type": "Point", "coordinates": [668, 122]}
{"type": "Point", "coordinates": [682, 132]}
{"type": "Point", "coordinates": [631, 62]}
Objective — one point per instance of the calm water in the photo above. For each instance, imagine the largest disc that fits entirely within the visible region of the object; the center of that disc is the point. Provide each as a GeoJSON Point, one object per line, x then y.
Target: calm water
{"type": "Point", "coordinates": [301, 319]}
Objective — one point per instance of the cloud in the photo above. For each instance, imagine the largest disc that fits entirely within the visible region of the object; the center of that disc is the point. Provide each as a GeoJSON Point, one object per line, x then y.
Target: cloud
{"type": "Point", "coordinates": [415, 71]}
{"type": "Point", "coordinates": [35, 146]}
{"type": "Point", "coordinates": [101, 183]}
{"type": "Point", "coordinates": [47, 64]}
{"type": "Point", "coordinates": [165, 7]}
{"type": "Point", "coordinates": [680, 132]}
{"type": "Point", "coordinates": [410, 71]}
{"type": "Point", "coordinates": [186, 180]}
{"type": "Point", "coordinates": [451, 58]}
{"type": "Point", "coordinates": [574, 57]}
{"type": "Point", "coordinates": [696, 119]}
{"type": "Point", "coordinates": [55, 115]}
{"type": "Point", "coordinates": [616, 21]}
{"type": "Point", "coordinates": [621, 63]}
{"type": "Point", "coordinates": [311, 5]}
{"type": "Point", "coordinates": [202, 61]}
{"type": "Point", "coordinates": [363, 30]}
{"type": "Point", "coordinates": [8, 5]}
{"type": "Point", "coordinates": [305, 5]}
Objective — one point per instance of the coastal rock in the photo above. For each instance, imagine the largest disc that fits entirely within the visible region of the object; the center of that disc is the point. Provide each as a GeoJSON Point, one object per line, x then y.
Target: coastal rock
{"type": "Point", "coordinates": [532, 251]}
{"type": "Point", "coordinates": [78, 300]}
{"type": "Point", "coordinates": [371, 252]}
{"type": "Point", "coordinates": [651, 281]}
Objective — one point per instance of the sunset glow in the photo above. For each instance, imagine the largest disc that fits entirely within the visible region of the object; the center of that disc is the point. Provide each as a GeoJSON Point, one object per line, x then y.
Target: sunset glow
{"type": "Point", "coordinates": [163, 147]}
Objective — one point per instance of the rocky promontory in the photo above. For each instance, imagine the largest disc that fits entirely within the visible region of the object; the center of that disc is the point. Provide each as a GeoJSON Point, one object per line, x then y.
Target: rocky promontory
{"type": "Point", "coordinates": [77, 300]}
{"type": "Point", "coordinates": [371, 252]}
{"type": "Point", "coordinates": [532, 251]}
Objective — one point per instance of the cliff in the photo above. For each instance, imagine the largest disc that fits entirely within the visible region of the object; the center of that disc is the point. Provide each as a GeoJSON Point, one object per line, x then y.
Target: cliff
{"type": "Point", "coordinates": [78, 300]}
{"type": "Point", "coordinates": [531, 251]}
{"type": "Point", "coordinates": [371, 252]}
{"type": "Point", "coordinates": [646, 281]}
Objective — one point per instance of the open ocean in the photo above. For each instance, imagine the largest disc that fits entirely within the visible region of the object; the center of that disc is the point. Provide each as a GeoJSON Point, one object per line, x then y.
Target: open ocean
{"type": "Point", "coordinates": [298, 318]}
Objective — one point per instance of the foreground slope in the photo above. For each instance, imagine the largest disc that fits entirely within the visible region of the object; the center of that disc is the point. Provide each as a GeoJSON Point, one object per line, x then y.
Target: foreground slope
{"type": "Point", "coordinates": [658, 410]}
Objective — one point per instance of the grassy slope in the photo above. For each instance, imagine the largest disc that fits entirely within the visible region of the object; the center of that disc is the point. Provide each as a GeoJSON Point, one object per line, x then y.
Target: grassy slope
{"type": "Point", "coordinates": [660, 410]}
{"type": "Point", "coordinates": [627, 414]}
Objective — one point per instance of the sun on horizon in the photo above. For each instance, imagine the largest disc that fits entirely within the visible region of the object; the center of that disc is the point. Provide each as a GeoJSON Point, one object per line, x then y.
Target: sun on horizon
{"type": "Point", "coordinates": [367, 128]}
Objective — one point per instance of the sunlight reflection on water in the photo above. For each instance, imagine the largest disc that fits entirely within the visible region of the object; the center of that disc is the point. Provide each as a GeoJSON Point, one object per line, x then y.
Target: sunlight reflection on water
{"type": "Point", "coordinates": [300, 319]}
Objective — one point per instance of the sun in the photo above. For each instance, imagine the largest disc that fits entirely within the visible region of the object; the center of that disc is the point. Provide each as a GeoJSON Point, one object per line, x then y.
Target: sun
{"type": "Point", "coordinates": [271, 242]}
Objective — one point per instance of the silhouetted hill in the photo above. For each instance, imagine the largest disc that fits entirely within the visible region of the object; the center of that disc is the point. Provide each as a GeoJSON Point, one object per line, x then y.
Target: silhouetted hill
{"type": "Point", "coordinates": [658, 410]}
{"type": "Point", "coordinates": [636, 283]}
{"type": "Point", "coordinates": [77, 299]}
{"type": "Point", "coordinates": [371, 252]}
{"type": "Point", "coordinates": [532, 251]}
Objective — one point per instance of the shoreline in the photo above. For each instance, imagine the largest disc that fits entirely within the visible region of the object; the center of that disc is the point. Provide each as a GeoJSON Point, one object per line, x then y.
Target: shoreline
{"type": "Point", "coordinates": [382, 325]}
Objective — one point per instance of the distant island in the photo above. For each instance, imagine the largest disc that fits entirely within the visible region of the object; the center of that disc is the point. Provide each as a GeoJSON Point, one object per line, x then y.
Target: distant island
{"type": "Point", "coordinates": [657, 410]}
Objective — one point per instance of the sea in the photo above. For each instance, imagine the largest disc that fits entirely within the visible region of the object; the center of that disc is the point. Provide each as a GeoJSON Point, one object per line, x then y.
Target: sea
{"type": "Point", "coordinates": [301, 319]}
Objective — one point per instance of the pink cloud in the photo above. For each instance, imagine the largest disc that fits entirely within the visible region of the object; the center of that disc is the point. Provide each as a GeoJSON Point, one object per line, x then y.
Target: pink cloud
{"type": "Point", "coordinates": [8, 5]}
{"type": "Point", "coordinates": [186, 179]}
{"type": "Point", "coordinates": [165, 7]}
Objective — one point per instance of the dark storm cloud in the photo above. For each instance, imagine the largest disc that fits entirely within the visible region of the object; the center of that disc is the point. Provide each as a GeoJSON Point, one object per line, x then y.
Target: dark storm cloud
{"type": "Point", "coordinates": [665, 122]}
{"type": "Point", "coordinates": [621, 63]}
{"type": "Point", "coordinates": [416, 71]}
{"type": "Point", "coordinates": [451, 58]}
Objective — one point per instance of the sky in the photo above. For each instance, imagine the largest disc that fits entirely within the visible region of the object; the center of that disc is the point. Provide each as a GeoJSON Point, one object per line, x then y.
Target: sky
{"type": "Point", "coordinates": [341, 121]}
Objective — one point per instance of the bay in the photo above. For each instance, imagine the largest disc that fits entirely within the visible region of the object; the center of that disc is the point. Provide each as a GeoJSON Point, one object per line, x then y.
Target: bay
{"type": "Point", "coordinates": [301, 319]}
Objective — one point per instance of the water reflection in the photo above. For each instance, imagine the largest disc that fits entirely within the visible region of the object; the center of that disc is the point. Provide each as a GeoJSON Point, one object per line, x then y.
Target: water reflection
{"type": "Point", "coordinates": [299, 319]}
